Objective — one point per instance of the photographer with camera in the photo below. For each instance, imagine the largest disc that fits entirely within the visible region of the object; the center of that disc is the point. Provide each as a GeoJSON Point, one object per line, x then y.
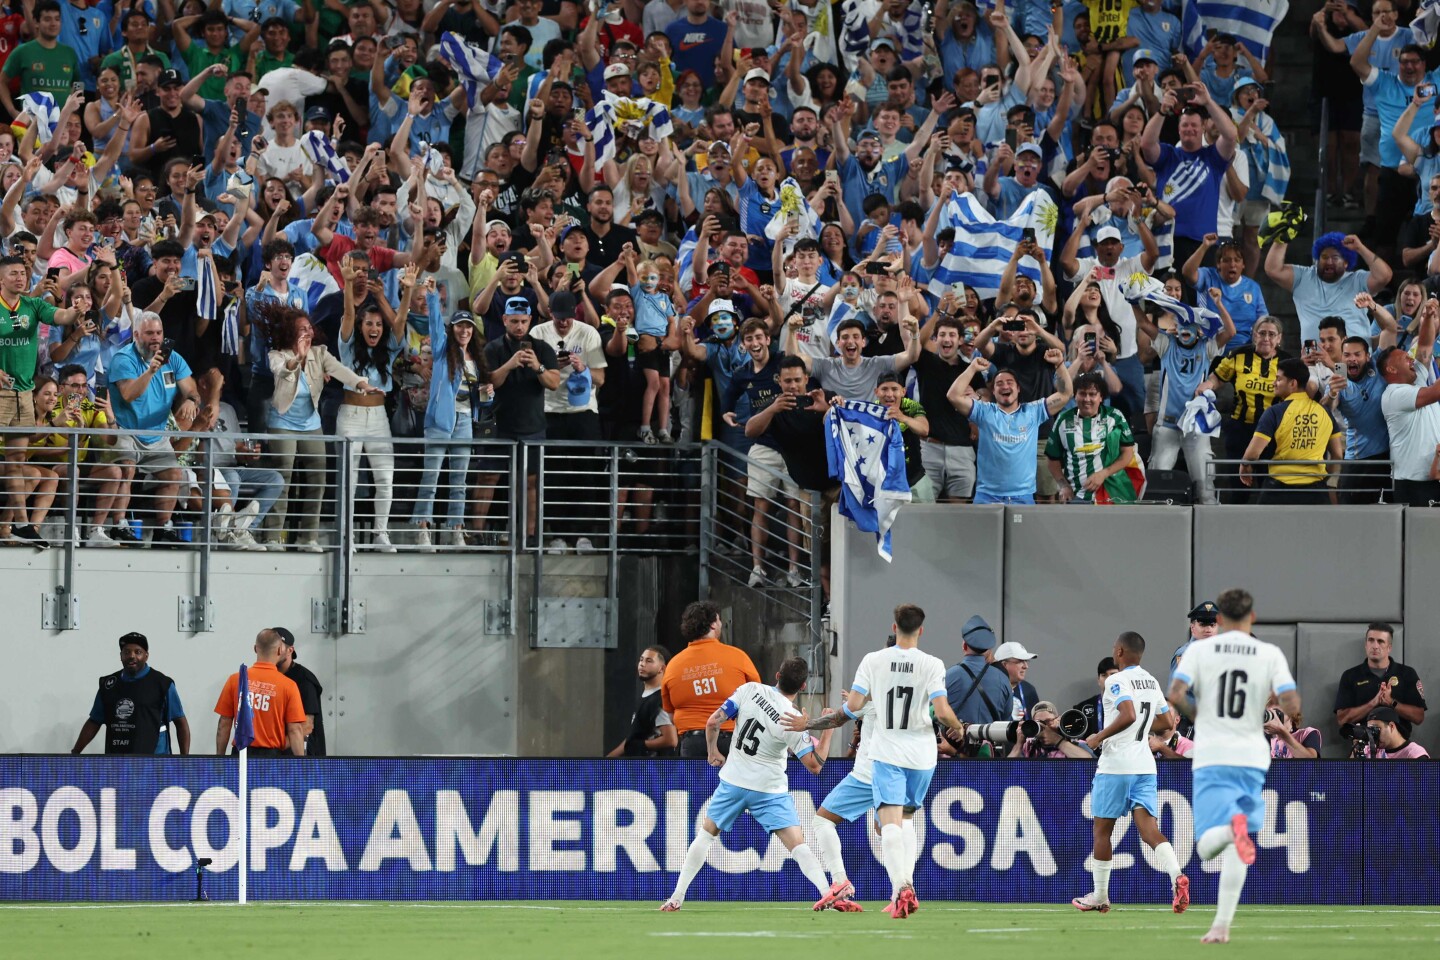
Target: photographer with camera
{"type": "Point", "coordinates": [1288, 738]}
{"type": "Point", "coordinates": [1383, 739]}
{"type": "Point", "coordinates": [1051, 741]}
{"type": "Point", "coordinates": [1380, 681]}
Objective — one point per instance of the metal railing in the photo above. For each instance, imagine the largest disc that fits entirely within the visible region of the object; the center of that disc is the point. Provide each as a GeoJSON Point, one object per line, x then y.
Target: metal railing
{"type": "Point", "coordinates": [1356, 481]}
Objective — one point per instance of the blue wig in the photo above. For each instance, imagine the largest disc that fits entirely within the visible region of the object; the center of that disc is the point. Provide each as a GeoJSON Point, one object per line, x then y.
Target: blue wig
{"type": "Point", "coordinates": [1334, 239]}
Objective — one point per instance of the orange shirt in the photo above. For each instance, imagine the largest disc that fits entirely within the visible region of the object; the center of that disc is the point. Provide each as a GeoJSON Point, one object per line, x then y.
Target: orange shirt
{"type": "Point", "coordinates": [700, 678]}
{"type": "Point", "coordinates": [274, 698]}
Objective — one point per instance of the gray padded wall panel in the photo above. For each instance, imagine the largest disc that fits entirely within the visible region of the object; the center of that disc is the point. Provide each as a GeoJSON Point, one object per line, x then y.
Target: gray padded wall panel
{"type": "Point", "coordinates": [946, 559]}
{"type": "Point", "coordinates": [1422, 613]}
{"type": "Point", "coordinates": [1065, 600]}
{"type": "Point", "coordinates": [1326, 651]}
{"type": "Point", "coordinates": [1283, 635]}
{"type": "Point", "coordinates": [1293, 558]}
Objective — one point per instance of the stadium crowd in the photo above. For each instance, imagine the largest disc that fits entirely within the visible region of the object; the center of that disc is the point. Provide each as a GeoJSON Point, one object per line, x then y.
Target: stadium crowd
{"type": "Point", "coordinates": [1035, 233]}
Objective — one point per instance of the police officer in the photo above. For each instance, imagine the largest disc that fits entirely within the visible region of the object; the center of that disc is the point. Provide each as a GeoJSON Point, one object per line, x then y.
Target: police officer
{"type": "Point", "coordinates": [136, 706]}
{"type": "Point", "coordinates": [1203, 623]}
{"type": "Point", "coordinates": [978, 691]}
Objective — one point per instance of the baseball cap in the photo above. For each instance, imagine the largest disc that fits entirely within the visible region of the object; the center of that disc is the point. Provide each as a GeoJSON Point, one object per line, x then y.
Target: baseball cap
{"type": "Point", "coordinates": [1030, 146]}
{"type": "Point", "coordinates": [616, 70]}
{"type": "Point", "coordinates": [514, 306]}
{"type": "Point", "coordinates": [1244, 82]}
{"type": "Point", "coordinates": [317, 113]}
{"type": "Point", "coordinates": [497, 225]}
{"type": "Point", "coordinates": [1107, 233]}
{"type": "Point", "coordinates": [1010, 650]}
{"type": "Point", "coordinates": [169, 78]}
{"type": "Point", "coordinates": [718, 145]}
{"type": "Point", "coordinates": [562, 304]}
{"type": "Point", "coordinates": [977, 634]}
{"type": "Point", "coordinates": [1384, 715]}
{"type": "Point", "coordinates": [1205, 612]}
{"type": "Point", "coordinates": [569, 228]}
{"type": "Point", "coordinates": [882, 42]}
{"type": "Point", "coordinates": [1044, 705]}
{"type": "Point", "coordinates": [1145, 53]}
{"type": "Point", "coordinates": [867, 135]}
{"type": "Point", "coordinates": [465, 316]}
{"type": "Point", "coordinates": [139, 639]}
{"type": "Point", "coordinates": [287, 638]}
{"type": "Point", "coordinates": [758, 74]}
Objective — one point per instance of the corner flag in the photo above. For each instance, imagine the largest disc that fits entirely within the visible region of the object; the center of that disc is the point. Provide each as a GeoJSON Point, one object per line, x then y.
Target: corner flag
{"type": "Point", "coordinates": [245, 716]}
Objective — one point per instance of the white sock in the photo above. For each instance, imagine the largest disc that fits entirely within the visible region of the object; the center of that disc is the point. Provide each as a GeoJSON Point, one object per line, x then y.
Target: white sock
{"type": "Point", "coordinates": [694, 860]}
{"type": "Point", "coordinates": [829, 842]}
{"type": "Point", "coordinates": [1213, 842]}
{"type": "Point", "coordinates": [1168, 861]}
{"type": "Point", "coordinates": [907, 831]}
{"type": "Point", "coordinates": [1232, 881]}
{"type": "Point", "coordinates": [805, 859]}
{"type": "Point", "coordinates": [892, 848]}
{"type": "Point", "coordinates": [1101, 873]}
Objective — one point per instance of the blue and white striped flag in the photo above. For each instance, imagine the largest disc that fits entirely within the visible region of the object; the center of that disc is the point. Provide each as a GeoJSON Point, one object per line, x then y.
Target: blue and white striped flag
{"type": "Point", "coordinates": [312, 279]}
{"type": "Point", "coordinates": [205, 283]}
{"type": "Point", "coordinates": [42, 107]}
{"type": "Point", "coordinates": [318, 147]}
{"type": "Point", "coordinates": [641, 116]}
{"type": "Point", "coordinates": [230, 330]}
{"type": "Point", "coordinates": [475, 67]}
{"type": "Point", "coordinates": [685, 259]}
{"type": "Point", "coordinates": [1252, 22]}
{"type": "Point", "coordinates": [911, 33]}
{"type": "Point", "coordinates": [840, 311]}
{"type": "Point", "coordinates": [855, 29]}
{"type": "Point", "coordinates": [983, 245]}
{"type": "Point", "coordinates": [1141, 287]}
{"type": "Point", "coordinates": [793, 203]}
{"type": "Point", "coordinates": [1272, 162]}
{"type": "Point", "coordinates": [867, 455]}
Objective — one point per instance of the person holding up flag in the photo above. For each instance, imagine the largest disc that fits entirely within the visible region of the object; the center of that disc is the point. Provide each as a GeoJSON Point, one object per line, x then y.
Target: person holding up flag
{"type": "Point", "coordinates": [270, 698]}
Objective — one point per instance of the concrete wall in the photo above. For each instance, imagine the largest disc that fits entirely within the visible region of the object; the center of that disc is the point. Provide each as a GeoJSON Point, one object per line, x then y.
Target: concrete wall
{"type": "Point", "coordinates": [1065, 580]}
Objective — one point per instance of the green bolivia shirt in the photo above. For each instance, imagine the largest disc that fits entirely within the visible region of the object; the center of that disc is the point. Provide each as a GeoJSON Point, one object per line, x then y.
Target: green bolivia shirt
{"type": "Point", "coordinates": [20, 338]}
{"type": "Point", "coordinates": [51, 71]}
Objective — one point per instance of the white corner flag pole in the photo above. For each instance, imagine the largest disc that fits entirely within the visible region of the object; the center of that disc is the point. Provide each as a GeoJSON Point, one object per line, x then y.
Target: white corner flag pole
{"type": "Point", "coordinates": [242, 829]}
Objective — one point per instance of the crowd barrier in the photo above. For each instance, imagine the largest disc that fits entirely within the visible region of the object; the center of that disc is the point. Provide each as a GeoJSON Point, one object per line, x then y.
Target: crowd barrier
{"type": "Point", "coordinates": [105, 829]}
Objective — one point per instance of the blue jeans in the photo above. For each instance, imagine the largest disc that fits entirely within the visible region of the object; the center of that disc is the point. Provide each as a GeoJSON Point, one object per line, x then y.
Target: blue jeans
{"type": "Point", "coordinates": [260, 484]}
{"type": "Point", "coordinates": [438, 446]}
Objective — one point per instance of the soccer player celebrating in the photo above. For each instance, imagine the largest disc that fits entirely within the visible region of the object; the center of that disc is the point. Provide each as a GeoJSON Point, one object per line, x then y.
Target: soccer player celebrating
{"type": "Point", "coordinates": [1131, 706]}
{"type": "Point", "coordinates": [902, 739]}
{"type": "Point", "coordinates": [752, 778]}
{"type": "Point", "coordinates": [846, 803]}
{"type": "Point", "coordinates": [1232, 676]}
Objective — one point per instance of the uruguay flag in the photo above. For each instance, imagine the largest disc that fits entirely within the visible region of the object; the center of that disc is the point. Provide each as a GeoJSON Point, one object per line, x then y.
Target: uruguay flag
{"type": "Point", "coordinates": [855, 29]}
{"type": "Point", "coordinates": [1141, 287]}
{"type": "Point", "coordinates": [1252, 22]}
{"type": "Point", "coordinates": [475, 67]}
{"type": "Point", "coordinates": [865, 453]}
{"type": "Point", "coordinates": [245, 715]}
{"type": "Point", "coordinates": [42, 107]}
{"type": "Point", "coordinates": [637, 117]}
{"type": "Point", "coordinates": [793, 203]}
{"type": "Point", "coordinates": [312, 278]}
{"type": "Point", "coordinates": [320, 150]}
{"type": "Point", "coordinates": [983, 245]}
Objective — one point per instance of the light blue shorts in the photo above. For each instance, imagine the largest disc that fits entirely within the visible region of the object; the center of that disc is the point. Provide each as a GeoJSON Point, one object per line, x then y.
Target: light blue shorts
{"type": "Point", "coordinates": [850, 799]}
{"type": "Point", "coordinates": [1113, 795]}
{"type": "Point", "coordinates": [1221, 792]}
{"type": "Point", "coordinates": [898, 786]}
{"type": "Point", "coordinates": [773, 811]}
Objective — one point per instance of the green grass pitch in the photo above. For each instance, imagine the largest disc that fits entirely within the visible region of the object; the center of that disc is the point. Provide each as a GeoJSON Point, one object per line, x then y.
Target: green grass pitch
{"type": "Point", "coordinates": [598, 931]}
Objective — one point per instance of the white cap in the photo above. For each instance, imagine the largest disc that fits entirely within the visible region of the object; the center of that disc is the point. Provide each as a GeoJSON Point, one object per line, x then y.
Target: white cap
{"type": "Point", "coordinates": [616, 70]}
{"type": "Point", "coordinates": [1107, 233]}
{"type": "Point", "coordinates": [721, 306]}
{"type": "Point", "coordinates": [758, 74]}
{"type": "Point", "coordinates": [1010, 650]}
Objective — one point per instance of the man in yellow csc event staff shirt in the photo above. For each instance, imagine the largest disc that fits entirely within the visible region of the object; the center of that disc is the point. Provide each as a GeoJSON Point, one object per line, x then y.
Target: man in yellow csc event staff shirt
{"type": "Point", "coordinates": [1295, 427]}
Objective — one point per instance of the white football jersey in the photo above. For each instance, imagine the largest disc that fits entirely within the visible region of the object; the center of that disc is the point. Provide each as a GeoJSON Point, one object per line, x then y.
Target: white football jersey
{"type": "Point", "coordinates": [758, 750]}
{"type": "Point", "coordinates": [901, 682]}
{"type": "Point", "coordinates": [1128, 751]}
{"type": "Point", "coordinates": [1232, 676]}
{"type": "Point", "coordinates": [863, 761]}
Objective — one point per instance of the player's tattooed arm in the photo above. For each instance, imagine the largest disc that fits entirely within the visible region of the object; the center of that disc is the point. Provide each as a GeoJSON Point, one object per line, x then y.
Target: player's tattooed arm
{"type": "Point", "coordinates": [829, 721]}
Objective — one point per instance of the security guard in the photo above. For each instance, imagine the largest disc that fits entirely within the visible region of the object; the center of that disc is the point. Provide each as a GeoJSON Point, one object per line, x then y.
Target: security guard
{"type": "Point", "coordinates": [701, 677]}
{"type": "Point", "coordinates": [1295, 427]}
{"type": "Point", "coordinates": [1380, 681]}
{"type": "Point", "coordinates": [279, 715]}
{"type": "Point", "coordinates": [136, 705]}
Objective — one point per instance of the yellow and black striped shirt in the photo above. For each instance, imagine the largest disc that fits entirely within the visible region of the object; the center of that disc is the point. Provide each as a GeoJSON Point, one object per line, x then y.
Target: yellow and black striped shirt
{"type": "Point", "coordinates": [1254, 380]}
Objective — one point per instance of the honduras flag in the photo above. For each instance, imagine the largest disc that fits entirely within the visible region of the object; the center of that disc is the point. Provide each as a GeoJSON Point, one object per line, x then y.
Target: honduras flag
{"type": "Point", "coordinates": [42, 107]}
{"type": "Point", "coordinates": [313, 279]}
{"type": "Point", "coordinates": [320, 150]}
{"type": "Point", "coordinates": [867, 456]}
{"type": "Point", "coordinates": [245, 714]}
{"type": "Point", "coordinates": [1141, 287]}
{"type": "Point", "coordinates": [1252, 22]}
{"type": "Point", "coordinates": [983, 245]}
{"type": "Point", "coordinates": [475, 67]}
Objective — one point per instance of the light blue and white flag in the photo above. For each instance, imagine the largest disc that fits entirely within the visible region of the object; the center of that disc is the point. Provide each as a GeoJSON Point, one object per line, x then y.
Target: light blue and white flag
{"type": "Point", "coordinates": [312, 279]}
{"type": "Point", "coordinates": [230, 330]}
{"type": "Point", "coordinates": [205, 284]}
{"type": "Point", "coordinates": [911, 32]}
{"type": "Point", "coordinates": [685, 260]}
{"type": "Point", "coordinates": [42, 107]}
{"type": "Point", "coordinates": [1252, 22]}
{"type": "Point", "coordinates": [474, 67]}
{"type": "Point", "coordinates": [840, 311]}
{"type": "Point", "coordinates": [867, 455]}
{"type": "Point", "coordinates": [855, 29]}
{"type": "Point", "coordinates": [983, 245]}
{"type": "Point", "coordinates": [319, 149]}
{"type": "Point", "coordinates": [793, 203]}
{"type": "Point", "coordinates": [640, 117]}
{"type": "Point", "coordinates": [1141, 287]}
{"type": "Point", "coordinates": [1273, 161]}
